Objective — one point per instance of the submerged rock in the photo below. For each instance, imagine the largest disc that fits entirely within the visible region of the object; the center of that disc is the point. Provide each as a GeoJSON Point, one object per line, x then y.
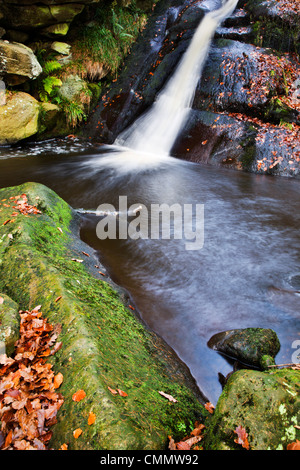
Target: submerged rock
{"type": "Point", "coordinates": [249, 345]}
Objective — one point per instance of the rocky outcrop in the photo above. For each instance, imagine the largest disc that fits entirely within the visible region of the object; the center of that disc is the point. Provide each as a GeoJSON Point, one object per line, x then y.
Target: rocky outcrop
{"type": "Point", "coordinates": [17, 63]}
{"type": "Point", "coordinates": [48, 18]}
{"type": "Point", "coordinates": [245, 114]}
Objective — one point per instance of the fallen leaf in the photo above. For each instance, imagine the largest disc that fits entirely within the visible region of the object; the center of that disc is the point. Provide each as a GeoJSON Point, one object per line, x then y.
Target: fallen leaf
{"type": "Point", "coordinates": [79, 395]}
{"type": "Point", "coordinates": [77, 433]}
{"type": "Point", "coordinates": [123, 394]}
{"type": "Point", "coordinates": [58, 228]}
{"type": "Point", "coordinates": [64, 447]}
{"type": "Point", "coordinates": [242, 438]}
{"type": "Point", "coordinates": [209, 407]}
{"type": "Point", "coordinates": [182, 445]}
{"type": "Point", "coordinates": [113, 391]}
{"type": "Point", "coordinates": [77, 260]}
{"type": "Point", "coordinates": [58, 380]}
{"type": "Point", "coordinates": [58, 298]}
{"type": "Point", "coordinates": [169, 397]}
{"type": "Point", "coordinates": [84, 253]}
{"type": "Point", "coordinates": [294, 445]}
{"type": "Point", "coordinates": [1, 300]}
{"type": "Point", "coordinates": [92, 418]}
{"type": "Point", "coordinates": [172, 445]}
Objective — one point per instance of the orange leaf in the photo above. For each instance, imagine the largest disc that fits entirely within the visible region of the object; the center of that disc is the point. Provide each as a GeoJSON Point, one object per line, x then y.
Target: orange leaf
{"type": "Point", "coordinates": [183, 445]}
{"type": "Point", "coordinates": [204, 142]}
{"type": "Point", "coordinates": [64, 447]}
{"type": "Point", "coordinates": [113, 391]}
{"type": "Point", "coordinates": [77, 433]}
{"type": "Point", "coordinates": [294, 445]}
{"type": "Point", "coordinates": [242, 437]}
{"type": "Point", "coordinates": [78, 396]}
{"type": "Point", "coordinates": [58, 379]}
{"type": "Point", "coordinates": [92, 418]}
{"type": "Point", "coordinates": [123, 394]}
{"type": "Point", "coordinates": [209, 407]}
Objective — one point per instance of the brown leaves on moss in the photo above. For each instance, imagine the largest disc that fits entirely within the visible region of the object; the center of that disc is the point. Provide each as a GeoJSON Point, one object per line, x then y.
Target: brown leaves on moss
{"type": "Point", "coordinates": [28, 398]}
{"type": "Point", "coordinates": [189, 442]}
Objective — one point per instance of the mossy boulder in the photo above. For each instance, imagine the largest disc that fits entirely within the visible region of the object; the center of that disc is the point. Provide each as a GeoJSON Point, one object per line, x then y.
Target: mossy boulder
{"type": "Point", "coordinates": [19, 117]}
{"type": "Point", "coordinates": [104, 344]}
{"type": "Point", "coordinates": [248, 345]}
{"type": "Point", "coordinates": [9, 324]}
{"type": "Point", "coordinates": [266, 404]}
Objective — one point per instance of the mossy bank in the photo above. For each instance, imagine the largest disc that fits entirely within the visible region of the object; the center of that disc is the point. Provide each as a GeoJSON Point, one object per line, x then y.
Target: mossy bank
{"type": "Point", "coordinates": [103, 343]}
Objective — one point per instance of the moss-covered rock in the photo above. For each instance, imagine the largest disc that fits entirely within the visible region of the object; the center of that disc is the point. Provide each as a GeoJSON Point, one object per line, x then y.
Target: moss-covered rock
{"type": "Point", "coordinates": [266, 404]}
{"type": "Point", "coordinates": [9, 324]}
{"type": "Point", "coordinates": [248, 345]}
{"type": "Point", "coordinates": [103, 343]}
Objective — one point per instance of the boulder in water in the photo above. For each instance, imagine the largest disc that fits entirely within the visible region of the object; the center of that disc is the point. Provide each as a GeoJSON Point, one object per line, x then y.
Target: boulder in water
{"type": "Point", "coordinates": [253, 346]}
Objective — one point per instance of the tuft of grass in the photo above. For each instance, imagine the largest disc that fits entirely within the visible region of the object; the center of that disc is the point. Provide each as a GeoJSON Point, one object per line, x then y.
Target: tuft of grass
{"type": "Point", "coordinates": [102, 45]}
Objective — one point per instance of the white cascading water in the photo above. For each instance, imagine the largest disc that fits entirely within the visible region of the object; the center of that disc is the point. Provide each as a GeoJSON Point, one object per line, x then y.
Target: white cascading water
{"type": "Point", "coordinates": [155, 131]}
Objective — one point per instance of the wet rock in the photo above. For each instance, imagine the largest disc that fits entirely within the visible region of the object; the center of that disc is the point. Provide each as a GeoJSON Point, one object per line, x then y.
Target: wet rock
{"type": "Point", "coordinates": [37, 16]}
{"type": "Point", "coordinates": [17, 63]}
{"type": "Point", "coordinates": [249, 345]}
{"type": "Point", "coordinates": [266, 404]}
{"type": "Point", "coordinates": [275, 24]}
{"type": "Point", "coordinates": [9, 324]}
{"type": "Point", "coordinates": [19, 118]}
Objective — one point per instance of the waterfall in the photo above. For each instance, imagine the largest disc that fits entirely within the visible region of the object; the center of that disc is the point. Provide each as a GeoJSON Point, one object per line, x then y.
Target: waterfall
{"type": "Point", "coordinates": [155, 131]}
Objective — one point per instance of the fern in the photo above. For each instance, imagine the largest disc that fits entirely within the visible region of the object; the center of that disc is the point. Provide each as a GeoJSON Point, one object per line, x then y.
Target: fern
{"type": "Point", "coordinates": [51, 66]}
{"type": "Point", "coordinates": [50, 83]}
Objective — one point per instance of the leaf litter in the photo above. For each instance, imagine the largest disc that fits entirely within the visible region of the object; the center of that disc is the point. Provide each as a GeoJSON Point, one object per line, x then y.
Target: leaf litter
{"type": "Point", "coordinates": [29, 401]}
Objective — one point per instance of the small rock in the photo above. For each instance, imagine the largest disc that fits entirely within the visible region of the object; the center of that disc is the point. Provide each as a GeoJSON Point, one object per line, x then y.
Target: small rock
{"type": "Point", "coordinates": [61, 47]}
{"type": "Point", "coordinates": [252, 346]}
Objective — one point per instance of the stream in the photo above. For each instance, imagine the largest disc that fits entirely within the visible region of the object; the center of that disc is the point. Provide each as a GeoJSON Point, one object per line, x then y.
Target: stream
{"type": "Point", "coordinates": [245, 270]}
{"type": "Point", "coordinates": [247, 274]}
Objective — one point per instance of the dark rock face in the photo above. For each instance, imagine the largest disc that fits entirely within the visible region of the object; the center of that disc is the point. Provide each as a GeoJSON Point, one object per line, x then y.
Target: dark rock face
{"type": "Point", "coordinates": [245, 112]}
{"type": "Point", "coordinates": [248, 345]}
